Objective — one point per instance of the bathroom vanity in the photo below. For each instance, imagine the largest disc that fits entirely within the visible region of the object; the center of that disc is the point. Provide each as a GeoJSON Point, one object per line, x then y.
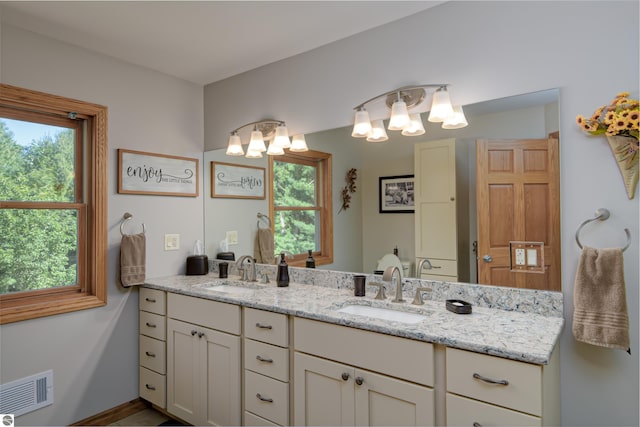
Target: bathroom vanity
{"type": "Point", "coordinates": [313, 354]}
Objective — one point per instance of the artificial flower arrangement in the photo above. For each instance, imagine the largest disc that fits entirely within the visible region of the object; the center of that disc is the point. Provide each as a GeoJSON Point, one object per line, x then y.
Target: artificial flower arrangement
{"type": "Point", "coordinates": [348, 189]}
{"type": "Point", "coordinates": [618, 121]}
{"type": "Point", "coordinates": [620, 117]}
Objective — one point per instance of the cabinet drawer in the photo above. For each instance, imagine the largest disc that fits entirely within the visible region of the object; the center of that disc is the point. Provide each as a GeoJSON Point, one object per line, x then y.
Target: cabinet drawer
{"type": "Point", "coordinates": [211, 314]}
{"type": "Point", "coordinates": [398, 357]}
{"type": "Point", "coordinates": [254, 420]}
{"type": "Point", "coordinates": [266, 326]}
{"type": "Point", "coordinates": [440, 267]}
{"type": "Point", "coordinates": [152, 387]}
{"type": "Point", "coordinates": [466, 412]}
{"type": "Point", "coordinates": [153, 300]}
{"type": "Point", "coordinates": [469, 374]}
{"type": "Point", "coordinates": [266, 359]}
{"type": "Point", "coordinates": [153, 325]}
{"type": "Point", "coordinates": [266, 397]}
{"type": "Point", "coordinates": [153, 354]}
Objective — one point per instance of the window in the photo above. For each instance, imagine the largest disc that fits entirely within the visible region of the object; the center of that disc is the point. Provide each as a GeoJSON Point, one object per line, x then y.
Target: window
{"type": "Point", "coordinates": [53, 204]}
{"type": "Point", "coordinates": [300, 206]}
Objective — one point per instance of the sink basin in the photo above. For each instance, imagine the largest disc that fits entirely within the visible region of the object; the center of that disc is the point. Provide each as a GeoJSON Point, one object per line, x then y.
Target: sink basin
{"type": "Point", "coordinates": [382, 313]}
{"type": "Point", "coordinates": [231, 289]}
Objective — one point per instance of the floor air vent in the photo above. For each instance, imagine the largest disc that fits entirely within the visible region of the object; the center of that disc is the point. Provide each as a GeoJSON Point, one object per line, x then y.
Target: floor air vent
{"type": "Point", "coordinates": [26, 394]}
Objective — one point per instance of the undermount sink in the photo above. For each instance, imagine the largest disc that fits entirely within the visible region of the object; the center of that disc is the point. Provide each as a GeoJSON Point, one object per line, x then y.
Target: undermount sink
{"type": "Point", "coordinates": [383, 313]}
{"type": "Point", "coordinates": [232, 289]}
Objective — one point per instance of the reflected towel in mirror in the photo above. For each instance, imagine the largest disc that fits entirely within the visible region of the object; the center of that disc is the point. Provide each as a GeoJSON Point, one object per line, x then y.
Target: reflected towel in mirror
{"type": "Point", "coordinates": [264, 247]}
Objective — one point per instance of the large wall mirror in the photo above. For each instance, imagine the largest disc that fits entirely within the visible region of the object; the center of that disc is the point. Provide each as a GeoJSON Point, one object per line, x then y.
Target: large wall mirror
{"type": "Point", "coordinates": [363, 235]}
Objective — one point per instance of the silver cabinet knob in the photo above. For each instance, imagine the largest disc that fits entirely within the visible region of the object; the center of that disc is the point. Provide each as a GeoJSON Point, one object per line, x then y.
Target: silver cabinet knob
{"type": "Point", "coordinates": [359, 380]}
{"type": "Point", "coordinates": [345, 376]}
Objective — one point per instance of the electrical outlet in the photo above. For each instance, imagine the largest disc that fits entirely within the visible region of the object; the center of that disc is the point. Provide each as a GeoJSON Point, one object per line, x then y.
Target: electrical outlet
{"type": "Point", "coordinates": [520, 257]}
{"type": "Point", "coordinates": [232, 237]}
{"type": "Point", "coordinates": [171, 242]}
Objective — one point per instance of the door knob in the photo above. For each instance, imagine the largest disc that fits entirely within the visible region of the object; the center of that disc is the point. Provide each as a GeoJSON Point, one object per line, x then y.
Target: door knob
{"type": "Point", "coordinates": [487, 258]}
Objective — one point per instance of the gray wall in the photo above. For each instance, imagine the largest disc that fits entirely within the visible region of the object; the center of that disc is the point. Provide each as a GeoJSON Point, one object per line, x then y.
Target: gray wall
{"type": "Point", "coordinates": [94, 353]}
{"type": "Point", "coordinates": [489, 50]}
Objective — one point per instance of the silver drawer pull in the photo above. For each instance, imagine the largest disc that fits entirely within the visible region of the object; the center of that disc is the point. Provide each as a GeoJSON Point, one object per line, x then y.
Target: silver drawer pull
{"type": "Point", "coordinates": [476, 424]}
{"type": "Point", "coordinates": [436, 266]}
{"type": "Point", "coordinates": [262, 359]}
{"type": "Point", "coordinates": [150, 299]}
{"type": "Point", "coordinates": [149, 387]}
{"type": "Point", "coordinates": [489, 380]}
{"type": "Point", "coordinates": [193, 332]}
{"type": "Point", "coordinates": [151, 325]}
{"type": "Point", "coordinates": [264, 399]}
{"type": "Point", "coordinates": [148, 353]}
{"type": "Point", "coordinates": [261, 326]}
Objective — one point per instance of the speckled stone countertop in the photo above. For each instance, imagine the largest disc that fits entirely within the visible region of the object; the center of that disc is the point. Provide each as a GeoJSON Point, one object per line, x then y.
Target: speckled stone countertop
{"type": "Point", "coordinates": [523, 328]}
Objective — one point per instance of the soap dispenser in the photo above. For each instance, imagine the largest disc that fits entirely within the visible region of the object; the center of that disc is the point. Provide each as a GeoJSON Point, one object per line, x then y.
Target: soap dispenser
{"type": "Point", "coordinates": [311, 263]}
{"type": "Point", "coordinates": [282, 278]}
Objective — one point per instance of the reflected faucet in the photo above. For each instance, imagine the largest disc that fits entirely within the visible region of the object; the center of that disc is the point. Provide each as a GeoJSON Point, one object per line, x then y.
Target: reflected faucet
{"type": "Point", "coordinates": [248, 276]}
{"type": "Point", "coordinates": [421, 264]}
{"type": "Point", "coordinates": [388, 275]}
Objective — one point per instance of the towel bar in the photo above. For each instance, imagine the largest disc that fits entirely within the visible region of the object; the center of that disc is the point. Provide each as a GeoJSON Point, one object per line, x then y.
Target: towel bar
{"type": "Point", "coordinates": [126, 217]}
{"type": "Point", "coordinates": [600, 215]}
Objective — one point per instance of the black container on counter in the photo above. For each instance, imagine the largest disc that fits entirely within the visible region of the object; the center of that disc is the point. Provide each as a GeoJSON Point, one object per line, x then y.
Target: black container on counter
{"type": "Point", "coordinates": [282, 277]}
{"type": "Point", "coordinates": [359, 285]}
{"type": "Point", "coordinates": [197, 265]}
{"type": "Point", "coordinates": [311, 263]}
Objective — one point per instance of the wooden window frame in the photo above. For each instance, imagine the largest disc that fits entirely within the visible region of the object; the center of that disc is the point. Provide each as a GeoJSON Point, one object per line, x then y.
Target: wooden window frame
{"type": "Point", "coordinates": [325, 206]}
{"type": "Point", "coordinates": [91, 290]}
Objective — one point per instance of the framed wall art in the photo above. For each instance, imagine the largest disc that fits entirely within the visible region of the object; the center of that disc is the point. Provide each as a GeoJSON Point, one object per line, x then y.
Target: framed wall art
{"type": "Point", "coordinates": [396, 194]}
{"type": "Point", "coordinates": [156, 174]}
{"type": "Point", "coordinates": [237, 181]}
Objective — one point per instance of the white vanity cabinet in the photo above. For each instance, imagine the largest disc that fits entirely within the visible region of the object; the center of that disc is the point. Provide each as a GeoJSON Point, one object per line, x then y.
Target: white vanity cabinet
{"type": "Point", "coordinates": [441, 205]}
{"type": "Point", "coordinates": [492, 391]}
{"type": "Point", "coordinates": [266, 368]}
{"type": "Point", "coordinates": [345, 376]}
{"type": "Point", "coordinates": [203, 360]}
{"type": "Point", "coordinates": [152, 346]}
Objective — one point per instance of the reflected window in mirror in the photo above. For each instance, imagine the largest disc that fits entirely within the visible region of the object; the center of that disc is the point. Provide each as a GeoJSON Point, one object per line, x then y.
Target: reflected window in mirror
{"type": "Point", "coordinates": [300, 205]}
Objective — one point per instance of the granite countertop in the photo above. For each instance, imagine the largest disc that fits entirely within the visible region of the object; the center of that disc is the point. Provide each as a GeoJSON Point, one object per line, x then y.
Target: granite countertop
{"type": "Point", "coordinates": [527, 337]}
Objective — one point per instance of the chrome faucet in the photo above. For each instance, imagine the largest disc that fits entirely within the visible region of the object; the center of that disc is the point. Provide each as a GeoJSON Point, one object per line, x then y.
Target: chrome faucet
{"type": "Point", "coordinates": [248, 276]}
{"type": "Point", "coordinates": [388, 275]}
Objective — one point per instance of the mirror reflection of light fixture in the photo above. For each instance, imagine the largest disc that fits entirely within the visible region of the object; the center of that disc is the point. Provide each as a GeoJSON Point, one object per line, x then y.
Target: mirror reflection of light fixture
{"type": "Point", "coordinates": [264, 130]}
{"type": "Point", "coordinates": [401, 102]}
{"type": "Point", "coordinates": [298, 144]}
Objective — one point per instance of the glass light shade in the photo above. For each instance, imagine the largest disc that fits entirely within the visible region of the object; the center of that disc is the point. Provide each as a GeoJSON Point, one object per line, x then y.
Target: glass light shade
{"type": "Point", "coordinates": [234, 148]}
{"type": "Point", "coordinates": [257, 142]}
{"type": "Point", "coordinates": [298, 144]}
{"type": "Point", "coordinates": [399, 116]}
{"type": "Point", "coordinates": [361, 124]}
{"type": "Point", "coordinates": [275, 149]}
{"type": "Point", "coordinates": [282, 137]}
{"type": "Point", "coordinates": [441, 107]}
{"type": "Point", "coordinates": [456, 120]}
{"type": "Point", "coordinates": [415, 126]}
{"type": "Point", "coordinates": [377, 133]}
{"type": "Point", "coordinates": [253, 154]}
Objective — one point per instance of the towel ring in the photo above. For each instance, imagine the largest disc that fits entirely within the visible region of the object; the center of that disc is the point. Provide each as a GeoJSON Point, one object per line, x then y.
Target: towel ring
{"type": "Point", "coordinates": [601, 215]}
{"type": "Point", "coordinates": [263, 216]}
{"type": "Point", "coordinates": [126, 217]}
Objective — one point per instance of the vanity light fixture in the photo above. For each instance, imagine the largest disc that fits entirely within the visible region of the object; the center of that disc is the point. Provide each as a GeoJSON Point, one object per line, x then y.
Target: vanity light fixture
{"type": "Point", "coordinates": [265, 130]}
{"type": "Point", "coordinates": [401, 101]}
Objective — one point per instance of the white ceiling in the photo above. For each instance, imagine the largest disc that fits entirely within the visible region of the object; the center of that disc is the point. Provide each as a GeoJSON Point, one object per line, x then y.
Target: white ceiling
{"type": "Point", "coordinates": [204, 41]}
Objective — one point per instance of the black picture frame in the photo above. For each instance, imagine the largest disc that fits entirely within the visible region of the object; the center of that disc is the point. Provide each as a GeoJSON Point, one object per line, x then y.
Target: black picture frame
{"type": "Point", "coordinates": [396, 194]}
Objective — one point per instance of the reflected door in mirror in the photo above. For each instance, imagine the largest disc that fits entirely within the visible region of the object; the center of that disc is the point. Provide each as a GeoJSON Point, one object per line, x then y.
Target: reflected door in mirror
{"type": "Point", "coordinates": [518, 200]}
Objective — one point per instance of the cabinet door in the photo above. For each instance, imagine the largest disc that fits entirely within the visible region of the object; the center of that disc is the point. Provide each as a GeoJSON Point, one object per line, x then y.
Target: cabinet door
{"type": "Point", "coordinates": [385, 401]}
{"type": "Point", "coordinates": [182, 370]}
{"type": "Point", "coordinates": [322, 394]}
{"type": "Point", "coordinates": [435, 199]}
{"type": "Point", "coordinates": [221, 377]}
